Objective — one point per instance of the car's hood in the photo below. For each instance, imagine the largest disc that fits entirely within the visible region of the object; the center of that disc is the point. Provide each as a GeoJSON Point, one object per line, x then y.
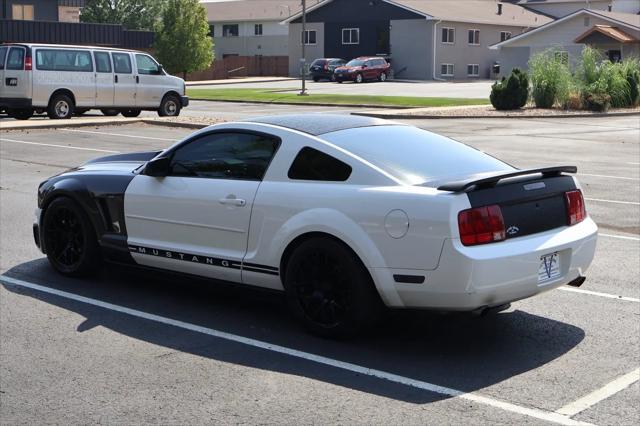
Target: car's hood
{"type": "Point", "coordinates": [117, 163]}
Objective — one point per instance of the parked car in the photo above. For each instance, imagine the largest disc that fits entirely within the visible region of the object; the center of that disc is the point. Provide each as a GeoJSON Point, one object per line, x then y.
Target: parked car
{"type": "Point", "coordinates": [68, 80]}
{"type": "Point", "coordinates": [322, 69]}
{"type": "Point", "coordinates": [344, 214]}
{"type": "Point", "coordinates": [363, 69]}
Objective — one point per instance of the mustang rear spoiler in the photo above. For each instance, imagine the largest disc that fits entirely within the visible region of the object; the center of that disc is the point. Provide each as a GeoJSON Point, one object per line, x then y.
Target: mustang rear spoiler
{"type": "Point", "coordinates": [485, 181]}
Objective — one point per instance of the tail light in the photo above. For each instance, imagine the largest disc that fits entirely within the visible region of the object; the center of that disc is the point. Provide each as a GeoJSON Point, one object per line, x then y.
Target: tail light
{"type": "Point", "coordinates": [28, 62]}
{"type": "Point", "coordinates": [576, 211]}
{"type": "Point", "coordinates": [481, 225]}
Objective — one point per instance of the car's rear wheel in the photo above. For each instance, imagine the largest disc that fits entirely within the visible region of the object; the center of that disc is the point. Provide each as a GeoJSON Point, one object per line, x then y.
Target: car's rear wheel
{"type": "Point", "coordinates": [359, 78]}
{"type": "Point", "coordinates": [329, 289]}
{"type": "Point", "coordinates": [110, 112]}
{"type": "Point", "coordinates": [170, 106]}
{"type": "Point", "coordinates": [70, 239]}
{"type": "Point", "coordinates": [130, 113]}
{"type": "Point", "coordinates": [316, 79]}
{"type": "Point", "coordinates": [383, 77]}
{"type": "Point", "coordinates": [60, 107]}
{"type": "Point", "coordinates": [20, 114]}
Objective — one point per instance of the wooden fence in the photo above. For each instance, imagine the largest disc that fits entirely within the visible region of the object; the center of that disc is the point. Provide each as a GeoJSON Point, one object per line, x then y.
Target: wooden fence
{"type": "Point", "coordinates": [243, 66]}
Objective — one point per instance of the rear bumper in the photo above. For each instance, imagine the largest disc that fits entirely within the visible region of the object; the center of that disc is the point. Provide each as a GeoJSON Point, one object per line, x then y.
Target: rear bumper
{"type": "Point", "coordinates": [15, 103]}
{"type": "Point", "coordinates": [469, 278]}
{"type": "Point", "coordinates": [184, 100]}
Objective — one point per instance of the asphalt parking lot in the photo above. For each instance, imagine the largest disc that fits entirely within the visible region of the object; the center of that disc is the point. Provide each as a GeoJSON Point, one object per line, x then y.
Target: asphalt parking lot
{"type": "Point", "coordinates": [133, 347]}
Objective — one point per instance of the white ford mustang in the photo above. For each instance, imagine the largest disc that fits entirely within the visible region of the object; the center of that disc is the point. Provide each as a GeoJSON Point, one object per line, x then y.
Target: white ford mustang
{"type": "Point", "coordinates": [345, 214]}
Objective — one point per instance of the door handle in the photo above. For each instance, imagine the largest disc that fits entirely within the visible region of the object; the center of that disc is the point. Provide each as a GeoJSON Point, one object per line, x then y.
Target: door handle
{"type": "Point", "coordinates": [137, 79]}
{"type": "Point", "coordinates": [116, 79]}
{"type": "Point", "coordinates": [239, 202]}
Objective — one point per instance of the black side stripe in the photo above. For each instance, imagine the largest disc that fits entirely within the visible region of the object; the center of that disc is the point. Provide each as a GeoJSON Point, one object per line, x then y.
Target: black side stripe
{"type": "Point", "coordinates": [204, 260]}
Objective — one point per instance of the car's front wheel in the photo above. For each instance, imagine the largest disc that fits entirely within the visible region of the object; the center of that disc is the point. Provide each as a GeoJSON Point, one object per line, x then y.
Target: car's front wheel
{"type": "Point", "coordinates": [170, 106]}
{"type": "Point", "coordinates": [383, 77]}
{"type": "Point", "coordinates": [359, 78]}
{"type": "Point", "coordinates": [70, 239]}
{"type": "Point", "coordinates": [329, 289]}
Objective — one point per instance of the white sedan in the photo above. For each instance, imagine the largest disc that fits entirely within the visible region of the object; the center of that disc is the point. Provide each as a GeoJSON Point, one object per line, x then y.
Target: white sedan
{"type": "Point", "coordinates": [344, 214]}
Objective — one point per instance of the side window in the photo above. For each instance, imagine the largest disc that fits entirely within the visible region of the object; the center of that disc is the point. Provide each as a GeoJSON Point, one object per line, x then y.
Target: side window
{"type": "Point", "coordinates": [121, 63]}
{"type": "Point", "coordinates": [146, 65]}
{"type": "Point", "coordinates": [3, 56]}
{"type": "Point", "coordinates": [103, 63]}
{"type": "Point", "coordinates": [230, 155]}
{"type": "Point", "coordinates": [63, 60]}
{"type": "Point", "coordinates": [311, 164]}
{"type": "Point", "coordinates": [15, 59]}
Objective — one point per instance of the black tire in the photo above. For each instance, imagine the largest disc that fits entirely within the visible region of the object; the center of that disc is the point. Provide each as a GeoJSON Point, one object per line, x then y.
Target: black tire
{"type": "Point", "coordinates": [359, 78]}
{"type": "Point", "coordinates": [61, 107]}
{"type": "Point", "coordinates": [329, 290]}
{"type": "Point", "coordinates": [339, 81]}
{"type": "Point", "coordinates": [69, 239]}
{"type": "Point", "coordinates": [110, 112]}
{"type": "Point", "coordinates": [170, 106]}
{"type": "Point", "coordinates": [20, 114]}
{"type": "Point", "coordinates": [131, 113]}
{"type": "Point", "coordinates": [80, 112]}
{"type": "Point", "coordinates": [316, 79]}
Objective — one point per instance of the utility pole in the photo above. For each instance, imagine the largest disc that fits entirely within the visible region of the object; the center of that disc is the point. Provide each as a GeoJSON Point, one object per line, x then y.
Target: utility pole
{"type": "Point", "coordinates": [303, 60]}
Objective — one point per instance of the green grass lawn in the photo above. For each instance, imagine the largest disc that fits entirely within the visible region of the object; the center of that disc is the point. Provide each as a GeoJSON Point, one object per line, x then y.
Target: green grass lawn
{"type": "Point", "coordinates": [291, 96]}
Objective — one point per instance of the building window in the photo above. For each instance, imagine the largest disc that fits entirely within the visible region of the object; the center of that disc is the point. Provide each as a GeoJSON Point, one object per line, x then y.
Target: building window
{"type": "Point", "coordinates": [230, 30]}
{"type": "Point", "coordinates": [446, 70]}
{"type": "Point", "coordinates": [22, 12]}
{"type": "Point", "coordinates": [309, 37]}
{"type": "Point", "coordinates": [474, 37]}
{"type": "Point", "coordinates": [449, 35]}
{"type": "Point", "coordinates": [587, 21]}
{"type": "Point", "coordinates": [562, 57]}
{"type": "Point", "coordinates": [257, 29]}
{"type": "Point", "coordinates": [505, 35]}
{"type": "Point", "coordinates": [212, 30]}
{"type": "Point", "coordinates": [473, 70]}
{"type": "Point", "coordinates": [351, 36]}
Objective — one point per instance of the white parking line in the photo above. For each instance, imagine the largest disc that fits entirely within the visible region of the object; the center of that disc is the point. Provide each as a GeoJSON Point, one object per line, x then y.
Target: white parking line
{"type": "Point", "coordinates": [596, 293]}
{"type": "Point", "coordinates": [122, 135]}
{"type": "Point", "coordinates": [58, 146]}
{"type": "Point", "coordinates": [612, 201]}
{"type": "Point", "coordinates": [622, 237]}
{"type": "Point", "coordinates": [354, 368]}
{"type": "Point", "coordinates": [610, 389]}
{"type": "Point", "coordinates": [608, 176]}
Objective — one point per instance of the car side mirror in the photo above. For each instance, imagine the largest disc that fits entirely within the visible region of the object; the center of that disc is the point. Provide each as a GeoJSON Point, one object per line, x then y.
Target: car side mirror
{"type": "Point", "coordinates": [160, 69]}
{"type": "Point", "coordinates": [158, 167]}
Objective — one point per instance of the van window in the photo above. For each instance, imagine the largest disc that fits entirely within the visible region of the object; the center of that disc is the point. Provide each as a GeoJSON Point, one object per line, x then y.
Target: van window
{"type": "Point", "coordinates": [121, 63]}
{"type": "Point", "coordinates": [3, 56]}
{"type": "Point", "coordinates": [15, 60]}
{"type": "Point", "coordinates": [146, 65]}
{"type": "Point", "coordinates": [63, 60]}
{"type": "Point", "coordinates": [103, 63]}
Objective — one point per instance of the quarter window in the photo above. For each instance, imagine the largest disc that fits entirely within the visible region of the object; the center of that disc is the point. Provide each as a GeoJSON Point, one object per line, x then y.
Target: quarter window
{"type": "Point", "coordinates": [257, 30]}
{"type": "Point", "coordinates": [230, 30]}
{"type": "Point", "coordinates": [121, 63]}
{"type": "Point", "coordinates": [448, 35]}
{"type": "Point", "coordinates": [351, 36]}
{"type": "Point", "coordinates": [474, 37]}
{"type": "Point", "coordinates": [15, 60]}
{"type": "Point", "coordinates": [447, 70]}
{"type": "Point", "coordinates": [22, 12]}
{"type": "Point", "coordinates": [243, 156]}
{"type": "Point", "coordinates": [505, 35]}
{"type": "Point", "coordinates": [311, 164]}
{"type": "Point", "coordinates": [103, 63]}
{"type": "Point", "coordinates": [309, 37]}
{"type": "Point", "coordinates": [146, 65]}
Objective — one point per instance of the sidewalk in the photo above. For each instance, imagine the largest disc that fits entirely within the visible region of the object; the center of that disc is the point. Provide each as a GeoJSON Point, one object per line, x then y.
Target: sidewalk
{"type": "Point", "coordinates": [241, 80]}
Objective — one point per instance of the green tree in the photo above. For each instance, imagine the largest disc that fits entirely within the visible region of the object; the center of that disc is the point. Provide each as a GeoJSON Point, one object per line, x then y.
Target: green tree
{"type": "Point", "coordinates": [133, 14]}
{"type": "Point", "coordinates": [182, 42]}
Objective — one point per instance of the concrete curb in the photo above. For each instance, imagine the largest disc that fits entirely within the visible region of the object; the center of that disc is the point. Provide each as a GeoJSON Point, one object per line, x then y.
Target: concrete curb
{"type": "Point", "coordinates": [184, 124]}
{"type": "Point", "coordinates": [307, 104]}
{"type": "Point", "coordinates": [55, 124]}
{"type": "Point", "coordinates": [442, 117]}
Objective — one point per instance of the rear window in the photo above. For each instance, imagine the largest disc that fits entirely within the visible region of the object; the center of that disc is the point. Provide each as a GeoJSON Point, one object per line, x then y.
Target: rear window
{"type": "Point", "coordinates": [64, 60]}
{"type": "Point", "coordinates": [311, 164]}
{"type": "Point", "coordinates": [15, 59]}
{"type": "Point", "coordinates": [319, 62]}
{"type": "Point", "coordinates": [415, 156]}
{"type": "Point", "coordinates": [3, 56]}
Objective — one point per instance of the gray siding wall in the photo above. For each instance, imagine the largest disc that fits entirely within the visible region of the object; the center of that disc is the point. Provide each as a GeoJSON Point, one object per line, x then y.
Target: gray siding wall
{"type": "Point", "coordinates": [411, 48]}
{"type": "Point", "coordinates": [513, 57]}
{"type": "Point", "coordinates": [276, 45]}
{"type": "Point", "coordinates": [312, 51]}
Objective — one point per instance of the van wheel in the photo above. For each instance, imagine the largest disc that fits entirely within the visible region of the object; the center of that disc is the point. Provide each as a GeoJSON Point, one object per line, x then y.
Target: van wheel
{"type": "Point", "coordinates": [110, 112]}
{"type": "Point", "coordinates": [329, 289]}
{"type": "Point", "coordinates": [60, 107]}
{"type": "Point", "coordinates": [170, 106]}
{"type": "Point", "coordinates": [359, 78]}
{"type": "Point", "coordinates": [130, 113]}
{"type": "Point", "coordinates": [20, 114]}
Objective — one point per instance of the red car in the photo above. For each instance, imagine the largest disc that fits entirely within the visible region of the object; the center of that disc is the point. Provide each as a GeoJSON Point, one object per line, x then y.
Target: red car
{"type": "Point", "coordinates": [362, 69]}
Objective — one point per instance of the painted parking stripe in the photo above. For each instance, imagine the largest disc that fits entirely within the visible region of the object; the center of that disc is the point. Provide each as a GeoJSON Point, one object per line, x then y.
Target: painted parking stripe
{"type": "Point", "coordinates": [596, 293]}
{"type": "Point", "coordinates": [608, 176]}
{"type": "Point", "coordinates": [622, 237]}
{"type": "Point", "coordinates": [58, 146]}
{"type": "Point", "coordinates": [354, 368]}
{"type": "Point", "coordinates": [121, 135]}
{"type": "Point", "coordinates": [608, 390]}
{"type": "Point", "coordinates": [599, 200]}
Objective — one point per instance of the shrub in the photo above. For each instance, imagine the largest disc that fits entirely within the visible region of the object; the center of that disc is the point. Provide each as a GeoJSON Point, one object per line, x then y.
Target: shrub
{"type": "Point", "coordinates": [604, 83]}
{"type": "Point", "coordinates": [551, 79]}
{"type": "Point", "coordinates": [574, 101]}
{"type": "Point", "coordinates": [512, 92]}
{"type": "Point", "coordinates": [599, 102]}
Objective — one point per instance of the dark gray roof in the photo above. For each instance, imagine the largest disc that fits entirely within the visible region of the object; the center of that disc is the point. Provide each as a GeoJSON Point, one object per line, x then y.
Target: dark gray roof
{"type": "Point", "coordinates": [319, 124]}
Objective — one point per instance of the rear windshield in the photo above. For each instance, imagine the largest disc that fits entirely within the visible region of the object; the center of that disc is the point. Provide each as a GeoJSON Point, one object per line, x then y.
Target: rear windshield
{"type": "Point", "coordinates": [415, 156]}
{"type": "Point", "coordinates": [355, 63]}
{"type": "Point", "coordinates": [319, 62]}
{"type": "Point", "coordinates": [3, 55]}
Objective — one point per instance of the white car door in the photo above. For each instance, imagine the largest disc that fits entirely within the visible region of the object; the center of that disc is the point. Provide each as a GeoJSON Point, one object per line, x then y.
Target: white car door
{"type": "Point", "coordinates": [196, 219]}
{"type": "Point", "coordinates": [104, 79]}
{"type": "Point", "coordinates": [124, 80]}
{"type": "Point", "coordinates": [151, 82]}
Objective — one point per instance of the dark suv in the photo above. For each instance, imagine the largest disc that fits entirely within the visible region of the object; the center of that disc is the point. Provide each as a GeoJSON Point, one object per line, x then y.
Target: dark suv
{"type": "Point", "coordinates": [323, 68]}
{"type": "Point", "coordinates": [362, 69]}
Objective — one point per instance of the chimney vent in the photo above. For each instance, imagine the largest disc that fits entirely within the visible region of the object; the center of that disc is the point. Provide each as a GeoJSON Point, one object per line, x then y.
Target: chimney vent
{"type": "Point", "coordinates": [499, 8]}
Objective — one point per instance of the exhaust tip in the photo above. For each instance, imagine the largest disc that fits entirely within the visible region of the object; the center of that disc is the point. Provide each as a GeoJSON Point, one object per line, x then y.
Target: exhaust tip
{"type": "Point", "coordinates": [577, 282]}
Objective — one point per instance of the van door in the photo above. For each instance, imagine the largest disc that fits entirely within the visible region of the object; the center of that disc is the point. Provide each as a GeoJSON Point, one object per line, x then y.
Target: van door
{"type": "Point", "coordinates": [3, 57]}
{"type": "Point", "coordinates": [151, 82]}
{"type": "Point", "coordinates": [16, 82]}
{"type": "Point", "coordinates": [105, 86]}
{"type": "Point", "coordinates": [124, 80]}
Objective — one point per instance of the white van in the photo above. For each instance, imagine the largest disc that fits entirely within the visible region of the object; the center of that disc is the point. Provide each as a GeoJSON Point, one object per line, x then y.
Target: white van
{"type": "Point", "coordinates": [67, 80]}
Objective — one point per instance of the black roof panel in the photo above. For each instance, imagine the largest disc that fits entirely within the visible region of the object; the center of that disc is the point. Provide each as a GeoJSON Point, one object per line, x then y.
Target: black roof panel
{"type": "Point", "coordinates": [319, 124]}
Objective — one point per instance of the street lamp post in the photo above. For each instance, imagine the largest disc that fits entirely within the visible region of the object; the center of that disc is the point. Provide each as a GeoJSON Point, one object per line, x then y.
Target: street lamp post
{"type": "Point", "coordinates": [303, 60]}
